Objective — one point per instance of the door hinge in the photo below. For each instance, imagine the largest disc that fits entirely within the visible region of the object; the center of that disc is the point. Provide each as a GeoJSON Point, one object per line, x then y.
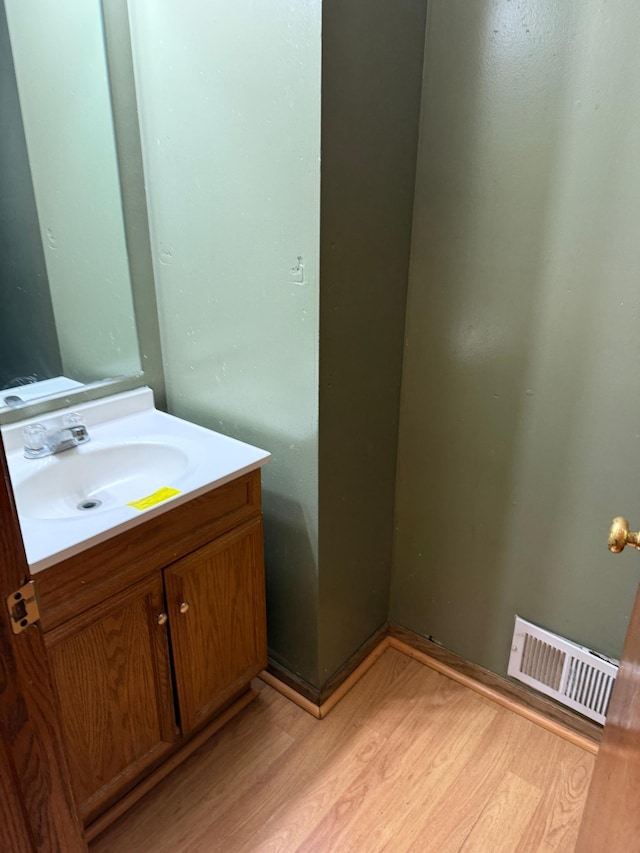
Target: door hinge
{"type": "Point", "coordinates": [24, 607]}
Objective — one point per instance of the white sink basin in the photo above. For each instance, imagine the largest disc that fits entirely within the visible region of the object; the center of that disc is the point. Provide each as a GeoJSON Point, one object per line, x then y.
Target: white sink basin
{"type": "Point", "coordinates": [139, 462]}
{"type": "Point", "coordinates": [96, 478]}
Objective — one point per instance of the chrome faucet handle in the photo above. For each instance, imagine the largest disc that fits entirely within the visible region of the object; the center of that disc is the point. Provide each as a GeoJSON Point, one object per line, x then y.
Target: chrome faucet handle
{"type": "Point", "coordinates": [35, 438]}
{"type": "Point", "coordinates": [71, 419]}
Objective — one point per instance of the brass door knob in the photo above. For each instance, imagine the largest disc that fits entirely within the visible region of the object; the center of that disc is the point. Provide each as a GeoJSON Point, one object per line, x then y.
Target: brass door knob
{"type": "Point", "coordinates": [620, 535]}
{"type": "Point", "coordinates": [161, 618]}
{"type": "Point", "coordinates": [184, 607]}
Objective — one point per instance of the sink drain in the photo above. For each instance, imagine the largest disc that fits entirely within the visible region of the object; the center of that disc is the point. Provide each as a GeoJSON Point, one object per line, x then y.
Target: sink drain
{"type": "Point", "coordinates": [90, 503]}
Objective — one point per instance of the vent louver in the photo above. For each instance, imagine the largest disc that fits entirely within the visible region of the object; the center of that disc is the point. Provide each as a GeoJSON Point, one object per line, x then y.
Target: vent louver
{"type": "Point", "coordinates": [570, 674]}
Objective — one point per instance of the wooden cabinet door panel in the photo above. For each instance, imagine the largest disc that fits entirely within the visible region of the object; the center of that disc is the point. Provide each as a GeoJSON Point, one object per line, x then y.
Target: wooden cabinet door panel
{"type": "Point", "coordinates": [112, 674]}
{"type": "Point", "coordinates": [219, 642]}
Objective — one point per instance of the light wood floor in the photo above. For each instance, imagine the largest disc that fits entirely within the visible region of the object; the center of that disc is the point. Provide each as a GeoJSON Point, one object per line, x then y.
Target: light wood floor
{"type": "Point", "coordinates": [408, 761]}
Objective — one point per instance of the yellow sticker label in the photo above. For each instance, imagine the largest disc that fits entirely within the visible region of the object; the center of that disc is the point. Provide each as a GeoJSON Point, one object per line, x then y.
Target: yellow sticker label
{"type": "Point", "coordinates": [156, 498]}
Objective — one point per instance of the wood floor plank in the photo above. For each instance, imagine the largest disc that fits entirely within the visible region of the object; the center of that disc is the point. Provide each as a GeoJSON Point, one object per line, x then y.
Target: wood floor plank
{"type": "Point", "coordinates": [554, 826]}
{"type": "Point", "coordinates": [217, 775]}
{"type": "Point", "coordinates": [502, 822]}
{"type": "Point", "coordinates": [286, 716]}
{"type": "Point", "coordinates": [289, 824]}
{"type": "Point", "coordinates": [409, 760]}
{"type": "Point", "coordinates": [403, 704]}
{"type": "Point", "coordinates": [536, 760]}
{"type": "Point", "coordinates": [384, 691]}
{"type": "Point", "coordinates": [449, 818]}
{"type": "Point", "coordinates": [313, 755]}
{"type": "Point", "coordinates": [392, 791]}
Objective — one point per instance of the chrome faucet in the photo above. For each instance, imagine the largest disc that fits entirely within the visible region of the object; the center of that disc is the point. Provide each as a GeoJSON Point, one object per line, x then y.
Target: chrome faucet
{"type": "Point", "coordinates": [39, 441]}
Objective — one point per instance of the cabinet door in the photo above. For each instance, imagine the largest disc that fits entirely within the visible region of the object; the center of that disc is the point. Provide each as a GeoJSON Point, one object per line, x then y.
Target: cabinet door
{"type": "Point", "coordinates": [112, 674]}
{"type": "Point", "coordinates": [216, 606]}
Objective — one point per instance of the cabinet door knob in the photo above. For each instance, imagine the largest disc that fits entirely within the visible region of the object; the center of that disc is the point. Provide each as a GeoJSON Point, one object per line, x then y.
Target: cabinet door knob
{"type": "Point", "coordinates": [161, 618]}
{"type": "Point", "coordinates": [184, 607]}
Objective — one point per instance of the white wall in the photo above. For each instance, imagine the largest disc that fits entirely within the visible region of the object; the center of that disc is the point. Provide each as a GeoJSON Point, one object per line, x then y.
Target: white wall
{"type": "Point", "coordinates": [229, 103]}
{"type": "Point", "coordinates": [64, 97]}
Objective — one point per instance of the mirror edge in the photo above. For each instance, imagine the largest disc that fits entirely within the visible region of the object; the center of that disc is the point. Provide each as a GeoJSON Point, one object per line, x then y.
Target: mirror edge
{"type": "Point", "coordinates": [118, 50]}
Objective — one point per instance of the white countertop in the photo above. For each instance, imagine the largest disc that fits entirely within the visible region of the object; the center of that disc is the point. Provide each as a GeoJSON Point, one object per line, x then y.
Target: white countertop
{"type": "Point", "coordinates": [127, 419]}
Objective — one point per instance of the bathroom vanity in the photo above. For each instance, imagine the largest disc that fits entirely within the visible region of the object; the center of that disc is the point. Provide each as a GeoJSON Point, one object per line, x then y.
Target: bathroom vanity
{"type": "Point", "coordinates": [154, 622]}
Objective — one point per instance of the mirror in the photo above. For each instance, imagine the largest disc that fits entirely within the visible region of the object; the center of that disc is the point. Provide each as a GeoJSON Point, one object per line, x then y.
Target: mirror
{"type": "Point", "coordinates": [66, 299]}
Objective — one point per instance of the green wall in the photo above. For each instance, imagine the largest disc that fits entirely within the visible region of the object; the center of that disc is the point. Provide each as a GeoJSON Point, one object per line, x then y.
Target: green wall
{"type": "Point", "coordinates": [306, 364]}
{"type": "Point", "coordinates": [372, 52]}
{"type": "Point", "coordinates": [519, 419]}
{"type": "Point", "coordinates": [229, 105]}
{"type": "Point", "coordinates": [519, 359]}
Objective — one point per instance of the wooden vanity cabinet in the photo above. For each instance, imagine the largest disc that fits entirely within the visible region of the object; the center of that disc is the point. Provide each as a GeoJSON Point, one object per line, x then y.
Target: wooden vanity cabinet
{"type": "Point", "coordinates": [216, 606]}
{"type": "Point", "coordinates": [112, 674]}
{"type": "Point", "coordinates": [176, 642]}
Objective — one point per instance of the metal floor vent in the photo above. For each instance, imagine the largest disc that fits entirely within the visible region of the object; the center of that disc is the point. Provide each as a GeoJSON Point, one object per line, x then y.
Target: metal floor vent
{"type": "Point", "coordinates": [570, 674]}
